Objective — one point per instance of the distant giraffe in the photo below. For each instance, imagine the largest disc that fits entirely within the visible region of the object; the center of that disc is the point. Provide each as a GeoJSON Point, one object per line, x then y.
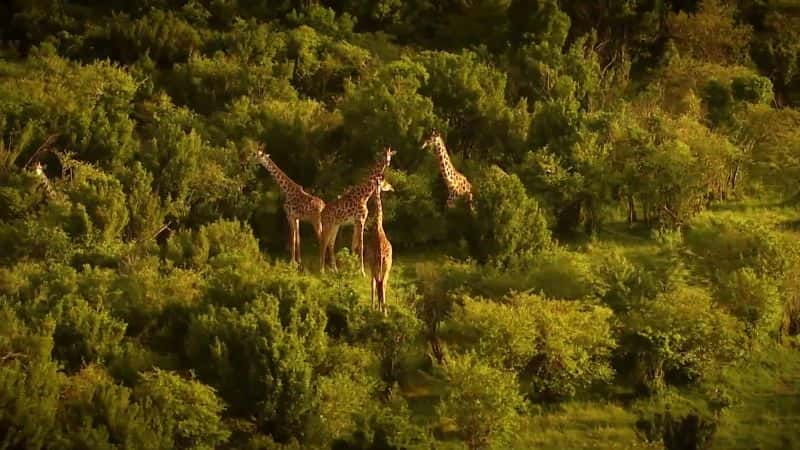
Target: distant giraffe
{"type": "Point", "coordinates": [457, 183]}
{"type": "Point", "coordinates": [298, 204]}
{"type": "Point", "coordinates": [44, 182]}
{"type": "Point", "coordinates": [351, 207]}
{"type": "Point", "coordinates": [379, 254]}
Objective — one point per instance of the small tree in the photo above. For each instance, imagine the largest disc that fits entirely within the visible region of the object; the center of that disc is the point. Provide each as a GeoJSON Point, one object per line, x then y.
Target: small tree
{"type": "Point", "coordinates": [508, 226]}
{"type": "Point", "coordinates": [482, 402]}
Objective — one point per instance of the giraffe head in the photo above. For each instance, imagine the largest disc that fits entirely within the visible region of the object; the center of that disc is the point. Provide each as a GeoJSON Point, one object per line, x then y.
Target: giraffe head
{"type": "Point", "coordinates": [386, 155]}
{"type": "Point", "coordinates": [432, 140]}
{"type": "Point", "coordinates": [38, 167]}
{"type": "Point", "coordinates": [261, 153]}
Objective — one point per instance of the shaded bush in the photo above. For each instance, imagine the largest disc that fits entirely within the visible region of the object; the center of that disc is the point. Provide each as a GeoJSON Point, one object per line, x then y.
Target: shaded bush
{"type": "Point", "coordinates": [483, 403]}
{"type": "Point", "coordinates": [508, 226]}
{"type": "Point", "coordinates": [557, 347]}
{"type": "Point", "coordinates": [678, 336]}
{"type": "Point", "coordinates": [261, 361]}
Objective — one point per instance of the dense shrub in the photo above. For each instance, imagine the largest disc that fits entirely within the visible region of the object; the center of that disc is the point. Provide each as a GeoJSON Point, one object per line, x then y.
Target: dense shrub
{"type": "Point", "coordinates": [727, 245]}
{"type": "Point", "coordinates": [261, 361]}
{"type": "Point", "coordinates": [754, 300]}
{"type": "Point", "coordinates": [557, 347]}
{"type": "Point", "coordinates": [508, 226]}
{"type": "Point", "coordinates": [188, 412]}
{"type": "Point", "coordinates": [677, 337]}
{"type": "Point", "coordinates": [482, 402]}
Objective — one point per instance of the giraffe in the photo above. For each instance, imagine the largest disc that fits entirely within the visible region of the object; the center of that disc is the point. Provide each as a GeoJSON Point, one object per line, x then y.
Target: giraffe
{"type": "Point", "coordinates": [351, 207]}
{"type": "Point", "coordinates": [379, 254]}
{"type": "Point", "coordinates": [49, 190]}
{"type": "Point", "coordinates": [457, 183]}
{"type": "Point", "coordinates": [297, 204]}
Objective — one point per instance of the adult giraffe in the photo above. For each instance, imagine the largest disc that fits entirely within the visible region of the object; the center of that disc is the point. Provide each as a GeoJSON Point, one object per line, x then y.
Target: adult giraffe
{"type": "Point", "coordinates": [351, 207]}
{"type": "Point", "coordinates": [457, 183]}
{"type": "Point", "coordinates": [298, 204]}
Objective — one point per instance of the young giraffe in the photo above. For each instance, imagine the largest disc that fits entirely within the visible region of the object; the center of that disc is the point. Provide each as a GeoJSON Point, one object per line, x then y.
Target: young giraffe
{"type": "Point", "coordinates": [298, 204]}
{"type": "Point", "coordinates": [457, 183]}
{"type": "Point", "coordinates": [379, 254]}
{"type": "Point", "coordinates": [351, 207]}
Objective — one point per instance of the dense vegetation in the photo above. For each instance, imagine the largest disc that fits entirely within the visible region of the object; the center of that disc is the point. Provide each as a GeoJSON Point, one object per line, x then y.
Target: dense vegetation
{"type": "Point", "coordinates": [629, 278]}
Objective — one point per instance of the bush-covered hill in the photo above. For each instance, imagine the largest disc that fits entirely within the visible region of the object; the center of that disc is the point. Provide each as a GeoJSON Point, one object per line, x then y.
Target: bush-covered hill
{"type": "Point", "coordinates": [627, 276]}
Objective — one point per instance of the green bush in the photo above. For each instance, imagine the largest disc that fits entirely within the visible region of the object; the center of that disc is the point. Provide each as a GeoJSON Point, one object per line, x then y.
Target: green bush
{"type": "Point", "coordinates": [30, 383]}
{"type": "Point", "coordinates": [261, 361]}
{"type": "Point", "coordinates": [754, 300]}
{"type": "Point", "coordinates": [677, 337]}
{"type": "Point", "coordinates": [195, 249]}
{"type": "Point", "coordinates": [729, 244]}
{"type": "Point", "coordinates": [482, 402]}
{"type": "Point", "coordinates": [88, 105]}
{"type": "Point", "coordinates": [185, 410]}
{"type": "Point", "coordinates": [557, 347]}
{"type": "Point", "coordinates": [508, 228]}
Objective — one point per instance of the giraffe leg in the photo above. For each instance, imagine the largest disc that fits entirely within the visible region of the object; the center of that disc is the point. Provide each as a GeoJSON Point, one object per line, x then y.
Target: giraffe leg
{"type": "Point", "coordinates": [451, 200]}
{"type": "Point", "coordinates": [297, 239]}
{"type": "Point", "coordinates": [372, 292]}
{"type": "Point", "coordinates": [354, 242]}
{"type": "Point", "coordinates": [292, 238]}
{"type": "Point", "coordinates": [332, 247]}
{"type": "Point", "coordinates": [361, 246]}
{"type": "Point", "coordinates": [383, 293]}
{"type": "Point", "coordinates": [323, 248]}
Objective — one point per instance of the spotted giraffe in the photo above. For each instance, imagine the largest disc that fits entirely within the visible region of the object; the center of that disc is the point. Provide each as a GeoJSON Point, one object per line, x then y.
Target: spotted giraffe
{"type": "Point", "coordinates": [379, 253]}
{"type": "Point", "coordinates": [297, 204]}
{"type": "Point", "coordinates": [47, 187]}
{"type": "Point", "coordinates": [457, 183]}
{"type": "Point", "coordinates": [351, 207]}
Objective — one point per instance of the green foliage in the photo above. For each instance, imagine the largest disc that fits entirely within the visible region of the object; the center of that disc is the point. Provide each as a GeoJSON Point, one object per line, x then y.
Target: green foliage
{"type": "Point", "coordinates": [754, 300]}
{"type": "Point", "coordinates": [634, 255]}
{"type": "Point", "coordinates": [556, 347]}
{"type": "Point", "coordinates": [261, 361]}
{"type": "Point", "coordinates": [679, 336]}
{"type": "Point", "coordinates": [387, 108]}
{"type": "Point", "coordinates": [508, 227]}
{"type": "Point", "coordinates": [482, 402]}
{"type": "Point", "coordinates": [734, 243]}
{"type": "Point", "coordinates": [29, 383]}
{"type": "Point", "coordinates": [89, 106]}
{"type": "Point", "coordinates": [188, 411]}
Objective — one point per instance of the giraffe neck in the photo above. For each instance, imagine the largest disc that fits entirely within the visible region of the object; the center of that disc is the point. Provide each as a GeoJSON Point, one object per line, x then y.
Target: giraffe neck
{"type": "Point", "coordinates": [49, 191]}
{"type": "Point", "coordinates": [284, 182]}
{"type": "Point", "coordinates": [445, 166]}
{"type": "Point", "coordinates": [368, 186]}
{"type": "Point", "coordinates": [378, 210]}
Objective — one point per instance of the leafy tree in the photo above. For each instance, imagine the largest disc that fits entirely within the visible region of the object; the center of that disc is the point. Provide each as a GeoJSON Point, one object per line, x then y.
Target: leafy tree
{"type": "Point", "coordinates": [388, 108]}
{"type": "Point", "coordinates": [677, 337]}
{"type": "Point", "coordinates": [556, 347]}
{"type": "Point", "coordinates": [482, 402]}
{"type": "Point", "coordinates": [30, 383]}
{"type": "Point", "coordinates": [260, 363]}
{"type": "Point", "coordinates": [754, 300]}
{"type": "Point", "coordinates": [508, 225]}
{"type": "Point", "coordinates": [469, 95]}
{"type": "Point", "coordinates": [187, 410]}
{"type": "Point", "coordinates": [712, 33]}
